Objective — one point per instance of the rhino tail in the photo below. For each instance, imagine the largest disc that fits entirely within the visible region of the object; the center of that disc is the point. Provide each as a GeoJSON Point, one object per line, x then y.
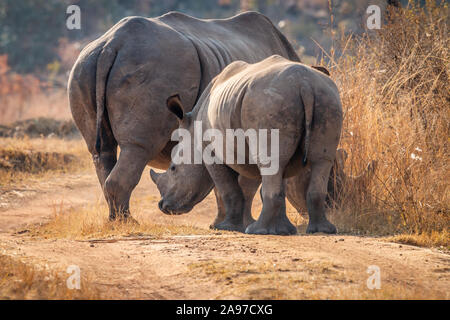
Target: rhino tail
{"type": "Point", "coordinates": [105, 62]}
{"type": "Point", "coordinates": [307, 97]}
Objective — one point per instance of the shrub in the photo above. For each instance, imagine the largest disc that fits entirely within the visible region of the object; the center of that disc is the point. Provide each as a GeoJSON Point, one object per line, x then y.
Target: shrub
{"type": "Point", "coordinates": [394, 85]}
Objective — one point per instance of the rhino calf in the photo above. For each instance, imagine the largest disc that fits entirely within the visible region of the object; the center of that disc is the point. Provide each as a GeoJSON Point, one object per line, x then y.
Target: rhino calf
{"type": "Point", "coordinates": [275, 94]}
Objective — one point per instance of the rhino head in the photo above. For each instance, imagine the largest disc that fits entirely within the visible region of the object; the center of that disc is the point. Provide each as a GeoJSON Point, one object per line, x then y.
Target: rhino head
{"type": "Point", "coordinates": [183, 185]}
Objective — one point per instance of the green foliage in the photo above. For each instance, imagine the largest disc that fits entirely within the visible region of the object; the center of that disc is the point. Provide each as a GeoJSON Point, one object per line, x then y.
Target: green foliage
{"type": "Point", "coordinates": [29, 32]}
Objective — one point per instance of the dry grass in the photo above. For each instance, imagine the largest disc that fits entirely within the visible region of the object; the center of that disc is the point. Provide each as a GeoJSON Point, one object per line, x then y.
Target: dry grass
{"type": "Point", "coordinates": [21, 281]}
{"type": "Point", "coordinates": [433, 239]}
{"type": "Point", "coordinates": [394, 87]}
{"type": "Point", "coordinates": [264, 280]}
{"type": "Point", "coordinates": [75, 147]}
{"type": "Point", "coordinates": [391, 291]}
{"type": "Point", "coordinates": [92, 222]}
{"type": "Point", "coordinates": [24, 159]}
{"type": "Point", "coordinates": [299, 280]}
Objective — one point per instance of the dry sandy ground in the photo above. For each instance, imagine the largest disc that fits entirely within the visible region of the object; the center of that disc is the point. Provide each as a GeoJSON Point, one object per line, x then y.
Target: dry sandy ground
{"type": "Point", "coordinates": [217, 264]}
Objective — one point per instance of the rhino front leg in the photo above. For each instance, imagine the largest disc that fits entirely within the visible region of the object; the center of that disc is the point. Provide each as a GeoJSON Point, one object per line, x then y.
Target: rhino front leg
{"type": "Point", "coordinates": [273, 219]}
{"type": "Point", "coordinates": [220, 210]}
{"type": "Point", "coordinates": [123, 179]}
{"type": "Point", "coordinates": [315, 198]}
{"type": "Point", "coordinates": [249, 188]}
{"type": "Point", "coordinates": [230, 193]}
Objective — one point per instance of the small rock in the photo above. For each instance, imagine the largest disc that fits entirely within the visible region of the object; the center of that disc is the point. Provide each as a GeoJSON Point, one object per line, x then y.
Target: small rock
{"type": "Point", "coordinates": [92, 245]}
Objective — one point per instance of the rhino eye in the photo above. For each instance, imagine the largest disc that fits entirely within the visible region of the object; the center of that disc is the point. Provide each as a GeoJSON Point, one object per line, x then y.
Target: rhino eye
{"type": "Point", "coordinates": [172, 168]}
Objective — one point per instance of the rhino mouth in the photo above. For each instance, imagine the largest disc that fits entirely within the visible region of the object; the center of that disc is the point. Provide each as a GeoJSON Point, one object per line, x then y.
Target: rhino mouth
{"type": "Point", "coordinates": [170, 210]}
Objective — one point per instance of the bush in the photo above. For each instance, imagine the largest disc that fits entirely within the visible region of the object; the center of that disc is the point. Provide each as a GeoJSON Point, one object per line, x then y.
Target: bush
{"type": "Point", "coordinates": [394, 86]}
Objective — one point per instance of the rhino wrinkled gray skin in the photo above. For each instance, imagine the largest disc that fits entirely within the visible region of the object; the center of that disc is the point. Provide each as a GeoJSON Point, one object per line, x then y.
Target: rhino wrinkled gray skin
{"type": "Point", "coordinates": [120, 83]}
{"type": "Point", "coordinates": [299, 101]}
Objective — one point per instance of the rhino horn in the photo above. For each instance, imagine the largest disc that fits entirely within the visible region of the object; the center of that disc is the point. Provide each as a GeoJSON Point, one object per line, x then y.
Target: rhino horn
{"type": "Point", "coordinates": [154, 175]}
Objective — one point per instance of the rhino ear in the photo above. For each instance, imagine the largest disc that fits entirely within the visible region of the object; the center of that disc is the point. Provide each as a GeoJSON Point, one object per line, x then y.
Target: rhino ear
{"type": "Point", "coordinates": [322, 69]}
{"type": "Point", "coordinates": [175, 106]}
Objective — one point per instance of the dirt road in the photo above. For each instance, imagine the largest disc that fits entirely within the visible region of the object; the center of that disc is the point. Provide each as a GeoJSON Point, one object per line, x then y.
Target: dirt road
{"type": "Point", "coordinates": [214, 264]}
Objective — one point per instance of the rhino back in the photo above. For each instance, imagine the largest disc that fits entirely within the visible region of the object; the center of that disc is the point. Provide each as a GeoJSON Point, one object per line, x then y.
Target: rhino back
{"type": "Point", "coordinates": [269, 95]}
{"type": "Point", "coordinates": [249, 37]}
{"type": "Point", "coordinates": [240, 87]}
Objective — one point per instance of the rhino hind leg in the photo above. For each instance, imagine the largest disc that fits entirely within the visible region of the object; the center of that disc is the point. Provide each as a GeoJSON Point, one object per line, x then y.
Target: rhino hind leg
{"type": "Point", "coordinates": [273, 219]}
{"type": "Point", "coordinates": [315, 198]}
{"type": "Point", "coordinates": [220, 210]}
{"type": "Point", "coordinates": [249, 188]}
{"type": "Point", "coordinates": [104, 164]}
{"type": "Point", "coordinates": [123, 179]}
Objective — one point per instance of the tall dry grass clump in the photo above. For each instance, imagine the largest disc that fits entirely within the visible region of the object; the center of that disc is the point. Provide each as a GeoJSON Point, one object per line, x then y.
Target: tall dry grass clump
{"type": "Point", "coordinates": [90, 223]}
{"type": "Point", "coordinates": [22, 281]}
{"type": "Point", "coordinates": [394, 84]}
{"type": "Point", "coordinates": [22, 160]}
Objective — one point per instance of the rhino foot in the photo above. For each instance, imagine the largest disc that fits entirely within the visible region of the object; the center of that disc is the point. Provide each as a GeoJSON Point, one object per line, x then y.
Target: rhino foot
{"type": "Point", "coordinates": [254, 228]}
{"type": "Point", "coordinates": [215, 223]}
{"type": "Point", "coordinates": [323, 226]}
{"type": "Point", "coordinates": [248, 221]}
{"type": "Point", "coordinates": [280, 227]}
{"type": "Point", "coordinates": [124, 219]}
{"type": "Point", "coordinates": [229, 226]}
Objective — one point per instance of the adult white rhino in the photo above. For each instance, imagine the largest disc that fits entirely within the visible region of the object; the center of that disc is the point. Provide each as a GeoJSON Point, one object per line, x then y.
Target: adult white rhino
{"type": "Point", "coordinates": [120, 83]}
